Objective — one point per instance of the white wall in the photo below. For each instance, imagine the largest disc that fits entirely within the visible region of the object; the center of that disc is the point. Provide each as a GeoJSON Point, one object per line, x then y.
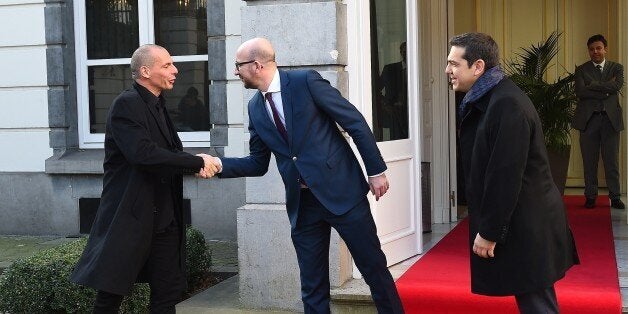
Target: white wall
{"type": "Point", "coordinates": [23, 87]}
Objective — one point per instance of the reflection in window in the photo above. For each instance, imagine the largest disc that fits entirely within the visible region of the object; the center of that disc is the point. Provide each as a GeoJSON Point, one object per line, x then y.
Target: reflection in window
{"type": "Point", "coordinates": [112, 28]}
{"type": "Point", "coordinates": [187, 102]}
{"type": "Point", "coordinates": [389, 69]}
{"type": "Point", "coordinates": [105, 83]}
{"type": "Point", "coordinates": [181, 26]}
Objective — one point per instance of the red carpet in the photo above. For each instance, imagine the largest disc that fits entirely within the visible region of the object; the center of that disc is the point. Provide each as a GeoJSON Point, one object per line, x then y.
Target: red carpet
{"type": "Point", "coordinates": [439, 282]}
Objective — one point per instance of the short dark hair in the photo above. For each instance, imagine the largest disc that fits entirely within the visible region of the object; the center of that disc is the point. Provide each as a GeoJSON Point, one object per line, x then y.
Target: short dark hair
{"type": "Point", "coordinates": [477, 46]}
{"type": "Point", "coordinates": [595, 38]}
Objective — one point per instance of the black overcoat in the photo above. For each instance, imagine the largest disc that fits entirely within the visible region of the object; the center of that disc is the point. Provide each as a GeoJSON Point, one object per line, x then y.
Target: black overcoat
{"type": "Point", "coordinates": [511, 196]}
{"type": "Point", "coordinates": [144, 163]}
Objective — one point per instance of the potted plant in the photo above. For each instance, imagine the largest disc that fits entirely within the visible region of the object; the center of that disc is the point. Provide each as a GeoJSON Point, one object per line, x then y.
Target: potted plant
{"type": "Point", "coordinates": [554, 101]}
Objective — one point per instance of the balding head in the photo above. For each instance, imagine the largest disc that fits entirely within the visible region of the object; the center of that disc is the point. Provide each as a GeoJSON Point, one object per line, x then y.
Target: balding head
{"type": "Point", "coordinates": [259, 49]}
{"type": "Point", "coordinates": [255, 63]}
{"type": "Point", "coordinates": [143, 56]}
{"type": "Point", "coordinates": [153, 68]}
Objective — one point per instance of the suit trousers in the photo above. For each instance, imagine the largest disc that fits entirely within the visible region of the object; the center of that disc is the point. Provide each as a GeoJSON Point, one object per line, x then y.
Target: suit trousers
{"type": "Point", "coordinates": [599, 136]}
{"type": "Point", "coordinates": [165, 278]}
{"type": "Point", "coordinates": [541, 301]}
{"type": "Point", "coordinates": [311, 237]}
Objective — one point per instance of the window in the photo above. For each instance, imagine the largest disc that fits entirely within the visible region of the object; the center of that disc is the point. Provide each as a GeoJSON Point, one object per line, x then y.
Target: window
{"type": "Point", "coordinates": [107, 33]}
{"type": "Point", "coordinates": [389, 69]}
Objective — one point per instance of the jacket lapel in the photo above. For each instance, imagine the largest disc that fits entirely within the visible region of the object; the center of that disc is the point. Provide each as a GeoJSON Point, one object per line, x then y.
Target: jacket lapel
{"type": "Point", "coordinates": [162, 128]}
{"type": "Point", "coordinates": [286, 100]}
{"type": "Point", "coordinates": [265, 127]}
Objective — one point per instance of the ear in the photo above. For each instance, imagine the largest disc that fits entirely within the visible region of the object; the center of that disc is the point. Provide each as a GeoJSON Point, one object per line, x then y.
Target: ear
{"type": "Point", "coordinates": [480, 67]}
{"type": "Point", "coordinates": [145, 71]}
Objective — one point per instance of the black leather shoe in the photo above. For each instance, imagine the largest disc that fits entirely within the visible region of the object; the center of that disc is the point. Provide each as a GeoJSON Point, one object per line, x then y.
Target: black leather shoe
{"type": "Point", "coordinates": [590, 203]}
{"type": "Point", "coordinates": [617, 204]}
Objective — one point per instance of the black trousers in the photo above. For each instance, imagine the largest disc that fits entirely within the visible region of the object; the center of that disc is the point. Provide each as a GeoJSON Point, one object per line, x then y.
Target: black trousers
{"type": "Point", "coordinates": [165, 276]}
{"type": "Point", "coordinates": [538, 302]}
{"type": "Point", "coordinates": [311, 241]}
{"type": "Point", "coordinates": [600, 137]}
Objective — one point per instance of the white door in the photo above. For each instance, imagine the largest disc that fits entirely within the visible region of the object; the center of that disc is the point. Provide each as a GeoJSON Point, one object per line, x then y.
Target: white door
{"type": "Point", "coordinates": [383, 84]}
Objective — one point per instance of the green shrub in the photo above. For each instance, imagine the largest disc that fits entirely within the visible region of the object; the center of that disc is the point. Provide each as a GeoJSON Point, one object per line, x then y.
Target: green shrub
{"type": "Point", "coordinates": [198, 258]}
{"type": "Point", "coordinates": [39, 284]}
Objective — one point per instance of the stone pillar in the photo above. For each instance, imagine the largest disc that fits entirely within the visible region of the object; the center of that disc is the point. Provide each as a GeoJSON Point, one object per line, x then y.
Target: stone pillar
{"type": "Point", "coordinates": [305, 35]}
{"type": "Point", "coordinates": [61, 73]}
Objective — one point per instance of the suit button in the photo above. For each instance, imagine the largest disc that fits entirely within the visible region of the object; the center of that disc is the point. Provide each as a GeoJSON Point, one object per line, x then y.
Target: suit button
{"type": "Point", "coordinates": [155, 210]}
{"type": "Point", "coordinates": [294, 158]}
{"type": "Point", "coordinates": [163, 180]}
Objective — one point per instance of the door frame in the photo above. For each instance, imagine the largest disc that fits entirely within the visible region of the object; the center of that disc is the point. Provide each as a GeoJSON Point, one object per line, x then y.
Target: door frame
{"type": "Point", "coordinates": [360, 90]}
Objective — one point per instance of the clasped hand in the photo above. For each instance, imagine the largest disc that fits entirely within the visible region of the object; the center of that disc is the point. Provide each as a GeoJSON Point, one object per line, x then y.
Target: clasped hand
{"type": "Point", "coordinates": [211, 166]}
{"type": "Point", "coordinates": [482, 247]}
{"type": "Point", "coordinates": [379, 185]}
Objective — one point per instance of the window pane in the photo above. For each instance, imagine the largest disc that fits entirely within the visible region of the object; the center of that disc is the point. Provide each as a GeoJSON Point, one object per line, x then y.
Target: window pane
{"type": "Point", "coordinates": [389, 69]}
{"type": "Point", "coordinates": [112, 28]}
{"type": "Point", "coordinates": [188, 101]}
{"type": "Point", "coordinates": [106, 82]}
{"type": "Point", "coordinates": [181, 26]}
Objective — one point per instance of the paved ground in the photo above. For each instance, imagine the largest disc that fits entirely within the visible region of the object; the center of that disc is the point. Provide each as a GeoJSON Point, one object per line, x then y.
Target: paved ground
{"type": "Point", "coordinates": [224, 256]}
{"type": "Point", "coordinates": [15, 247]}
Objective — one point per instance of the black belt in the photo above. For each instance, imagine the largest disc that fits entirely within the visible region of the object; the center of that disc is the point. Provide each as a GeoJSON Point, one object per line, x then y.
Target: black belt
{"type": "Point", "coordinates": [603, 113]}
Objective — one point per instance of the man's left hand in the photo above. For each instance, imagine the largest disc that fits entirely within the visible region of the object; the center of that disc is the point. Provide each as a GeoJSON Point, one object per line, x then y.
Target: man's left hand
{"type": "Point", "coordinates": [483, 248]}
{"type": "Point", "coordinates": [379, 185]}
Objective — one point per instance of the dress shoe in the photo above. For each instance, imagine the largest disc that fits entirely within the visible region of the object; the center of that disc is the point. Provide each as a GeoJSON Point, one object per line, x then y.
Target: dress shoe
{"type": "Point", "coordinates": [590, 203]}
{"type": "Point", "coordinates": [617, 203]}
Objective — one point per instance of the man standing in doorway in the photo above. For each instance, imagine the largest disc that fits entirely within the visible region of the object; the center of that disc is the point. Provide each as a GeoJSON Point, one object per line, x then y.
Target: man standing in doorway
{"type": "Point", "coordinates": [293, 116]}
{"type": "Point", "coordinates": [139, 231]}
{"type": "Point", "coordinates": [518, 229]}
{"type": "Point", "coordinates": [599, 119]}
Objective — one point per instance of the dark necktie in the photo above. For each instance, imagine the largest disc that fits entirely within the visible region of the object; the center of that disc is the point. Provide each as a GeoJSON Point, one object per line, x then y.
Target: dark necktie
{"type": "Point", "coordinates": [599, 67]}
{"type": "Point", "coordinates": [161, 112]}
{"type": "Point", "coordinates": [280, 127]}
{"type": "Point", "coordinates": [162, 116]}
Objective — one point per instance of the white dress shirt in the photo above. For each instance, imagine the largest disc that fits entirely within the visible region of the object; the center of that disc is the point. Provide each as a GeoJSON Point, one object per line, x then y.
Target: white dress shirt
{"type": "Point", "coordinates": [275, 89]}
{"type": "Point", "coordinates": [594, 64]}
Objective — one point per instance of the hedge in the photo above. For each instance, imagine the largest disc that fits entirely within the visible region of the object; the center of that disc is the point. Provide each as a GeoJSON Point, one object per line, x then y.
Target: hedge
{"type": "Point", "coordinates": [40, 284]}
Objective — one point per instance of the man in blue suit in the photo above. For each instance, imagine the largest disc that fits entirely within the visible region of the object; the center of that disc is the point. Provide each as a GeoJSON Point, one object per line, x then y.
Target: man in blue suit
{"type": "Point", "coordinates": [294, 116]}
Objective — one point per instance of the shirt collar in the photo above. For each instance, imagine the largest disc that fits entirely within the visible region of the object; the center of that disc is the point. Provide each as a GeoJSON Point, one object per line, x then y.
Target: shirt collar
{"type": "Point", "coordinates": [275, 85]}
{"type": "Point", "coordinates": [600, 64]}
{"type": "Point", "coordinates": [147, 96]}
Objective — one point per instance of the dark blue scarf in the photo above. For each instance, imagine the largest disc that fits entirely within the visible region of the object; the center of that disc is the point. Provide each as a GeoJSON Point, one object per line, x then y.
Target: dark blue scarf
{"type": "Point", "coordinates": [485, 83]}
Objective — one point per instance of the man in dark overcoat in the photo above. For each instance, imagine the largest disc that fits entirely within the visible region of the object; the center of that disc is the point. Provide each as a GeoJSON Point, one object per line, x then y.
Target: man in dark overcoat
{"type": "Point", "coordinates": [519, 235]}
{"type": "Point", "coordinates": [138, 233]}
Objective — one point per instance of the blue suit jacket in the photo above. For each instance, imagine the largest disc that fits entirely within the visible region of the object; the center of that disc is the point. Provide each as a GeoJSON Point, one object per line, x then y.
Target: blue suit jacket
{"type": "Point", "coordinates": [316, 148]}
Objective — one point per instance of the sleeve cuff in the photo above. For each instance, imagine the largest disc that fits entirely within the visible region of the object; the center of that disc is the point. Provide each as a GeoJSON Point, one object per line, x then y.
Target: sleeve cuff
{"type": "Point", "coordinates": [496, 235]}
{"type": "Point", "coordinates": [373, 176]}
{"type": "Point", "coordinates": [220, 163]}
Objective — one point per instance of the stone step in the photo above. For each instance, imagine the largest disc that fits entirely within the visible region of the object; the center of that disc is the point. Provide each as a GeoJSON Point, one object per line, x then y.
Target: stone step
{"type": "Point", "coordinates": [354, 297]}
{"type": "Point", "coordinates": [221, 298]}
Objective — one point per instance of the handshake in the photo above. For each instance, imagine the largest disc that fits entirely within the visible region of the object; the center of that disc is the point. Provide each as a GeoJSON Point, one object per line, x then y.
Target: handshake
{"type": "Point", "coordinates": [211, 167]}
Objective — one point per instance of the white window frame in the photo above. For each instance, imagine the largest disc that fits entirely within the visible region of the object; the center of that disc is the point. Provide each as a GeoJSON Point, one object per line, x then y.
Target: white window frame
{"type": "Point", "coordinates": [146, 29]}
